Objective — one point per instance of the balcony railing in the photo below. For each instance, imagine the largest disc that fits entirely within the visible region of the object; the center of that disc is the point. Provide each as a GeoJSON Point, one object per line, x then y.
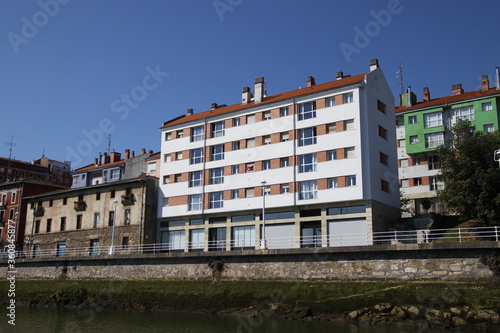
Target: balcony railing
{"type": "Point", "coordinates": [128, 199]}
{"type": "Point", "coordinates": [39, 211]}
{"type": "Point", "coordinates": [80, 205]}
{"type": "Point", "coordinates": [338, 240]}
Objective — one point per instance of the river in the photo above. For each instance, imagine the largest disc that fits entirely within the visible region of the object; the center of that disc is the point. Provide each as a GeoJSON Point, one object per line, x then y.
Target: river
{"type": "Point", "coordinates": [72, 321]}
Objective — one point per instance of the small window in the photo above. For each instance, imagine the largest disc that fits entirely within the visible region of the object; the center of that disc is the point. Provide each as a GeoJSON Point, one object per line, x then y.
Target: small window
{"type": "Point", "coordinates": [178, 178]}
{"type": "Point", "coordinates": [250, 192]}
{"type": "Point", "coordinates": [250, 119]}
{"type": "Point", "coordinates": [417, 181]}
{"type": "Point", "coordinates": [197, 133]}
{"type": "Point", "coordinates": [235, 169]}
{"type": "Point", "coordinates": [331, 155]}
{"type": "Point", "coordinates": [266, 165]}
{"type": "Point", "coordinates": [405, 182]}
{"type": "Point", "coordinates": [284, 162]}
{"type": "Point", "coordinates": [331, 128]}
{"type": "Point", "coordinates": [307, 136]}
{"type": "Point", "coordinates": [488, 128]}
{"type": "Point", "coordinates": [180, 134]}
{"type": "Point", "coordinates": [218, 129]}
{"type": "Point", "coordinates": [382, 132]}
{"type": "Point", "coordinates": [412, 119]}
{"type": "Point", "coordinates": [49, 225]}
{"type": "Point", "coordinates": [486, 106]}
{"type": "Point", "coordinates": [307, 110]}
{"type": "Point", "coordinates": [380, 106]}
{"type": "Point", "coordinates": [216, 200]}
{"type": "Point", "coordinates": [236, 122]}
{"type": "Point", "coordinates": [384, 159]}
{"type": "Point", "coordinates": [235, 145]}
{"type": "Point", "coordinates": [167, 158]}
{"type": "Point", "coordinates": [413, 139]}
{"type": "Point", "coordinates": [403, 163]}
{"type": "Point", "coordinates": [196, 156]}
{"type": "Point", "coordinates": [217, 176]}
{"type": "Point", "coordinates": [348, 124]}
{"type": "Point", "coordinates": [333, 183]}
{"type": "Point", "coordinates": [384, 185]}
{"type": "Point", "coordinates": [285, 136]}
{"type": "Point", "coordinates": [217, 152]}
{"type": "Point", "coordinates": [348, 98]}
{"type": "Point", "coordinates": [63, 224]}
{"type": "Point", "coordinates": [195, 178]}
{"type": "Point", "coordinates": [79, 222]}
{"type": "Point", "coordinates": [350, 152]}
{"type": "Point", "coordinates": [168, 136]}
{"type": "Point", "coordinates": [166, 179]}
{"type": "Point", "coordinates": [250, 143]}
{"type": "Point", "coordinates": [350, 180]}
{"type": "Point", "coordinates": [330, 101]}
{"type": "Point", "coordinates": [235, 194]}
{"type": "Point", "coordinates": [195, 202]}
{"type": "Point", "coordinates": [250, 167]}
{"type": "Point", "coordinates": [284, 111]}
{"type": "Point", "coordinates": [266, 115]}
{"type": "Point", "coordinates": [284, 188]}
{"type": "Point", "coordinates": [266, 139]}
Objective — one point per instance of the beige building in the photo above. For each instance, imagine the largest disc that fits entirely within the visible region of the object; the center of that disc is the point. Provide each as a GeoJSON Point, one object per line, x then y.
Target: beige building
{"type": "Point", "coordinates": [80, 220]}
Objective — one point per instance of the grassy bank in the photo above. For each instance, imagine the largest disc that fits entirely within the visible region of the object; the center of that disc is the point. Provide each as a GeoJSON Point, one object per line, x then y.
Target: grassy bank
{"type": "Point", "coordinates": [282, 298]}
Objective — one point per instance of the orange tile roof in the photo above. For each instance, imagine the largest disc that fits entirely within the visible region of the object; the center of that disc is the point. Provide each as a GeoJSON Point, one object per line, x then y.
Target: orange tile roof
{"type": "Point", "coordinates": [269, 99]}
{"type": "Point", "coordinates": [93, 167]}
{"type": "Point", "coordinates": [449, 99]}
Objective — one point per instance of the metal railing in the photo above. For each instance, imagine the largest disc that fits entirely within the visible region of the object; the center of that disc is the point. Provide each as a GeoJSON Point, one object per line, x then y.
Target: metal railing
{"type": "Point", "coordinates": [336, 240]}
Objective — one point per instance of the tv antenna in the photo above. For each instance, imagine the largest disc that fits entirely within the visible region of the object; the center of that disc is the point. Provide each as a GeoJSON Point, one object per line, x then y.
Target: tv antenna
{"type": "Point", "coordinates": [399, 74]}
{"type": "Point", "coordinates": [11, 144]}
{"type": "Point", "coordinates": [109, 144]}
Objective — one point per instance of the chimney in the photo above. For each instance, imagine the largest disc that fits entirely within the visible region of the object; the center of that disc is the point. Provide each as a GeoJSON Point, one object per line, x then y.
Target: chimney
{"type": "Point", "coordinates": [407, 99]}
{"type": "Point", "coordinates": [214, 106]}
{"type": "Point", "coordinates": [143, 151]}
{"type": "Point", "coordinates": [311, 81]}
{"type": "Point", "coordinates": [127, 154]}
{"type": "Point", "coordinates": [373, 64]}
{"type": "Point", "coordinates": [259, 89]}
{"type": "Point", "coordinates": [189, 112]}
{"type": "Point", "coordinates": [485, 83]}
{"type": "Point", "coordinates": [96, 161]}
{"type": "Point", "coordinates": [497, 78]}
{"type": "Point", "coordinates": [456, 89]}
{"type": "Point", "coordinates": [150, 152]}
{"type": "Point", "coordinates": [132, 155]}
{"type": "Point", "coordinates": [426, 95]}
{"type": "Point", "coordinates": [115, 157]}
{"type": "Point", "coordinates": [340, 75]}
{"type": "Point", "coordinates": [246, 95]}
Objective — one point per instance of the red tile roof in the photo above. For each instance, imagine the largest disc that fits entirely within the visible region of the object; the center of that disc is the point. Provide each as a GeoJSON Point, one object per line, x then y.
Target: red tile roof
{"type": "Point", "coordinates": [93, 166]}
{"type": "Point", "coordinates": [269, 99]}
{"type": "Point", "coordinates": [449, 99]}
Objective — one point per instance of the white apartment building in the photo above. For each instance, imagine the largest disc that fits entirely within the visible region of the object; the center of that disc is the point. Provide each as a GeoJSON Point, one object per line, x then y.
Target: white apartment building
{"type": "Point", "coordinates": [324, 155]}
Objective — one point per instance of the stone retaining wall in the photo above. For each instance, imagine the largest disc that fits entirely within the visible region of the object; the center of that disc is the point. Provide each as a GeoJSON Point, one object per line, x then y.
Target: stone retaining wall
{"type": "Point", "coordinates": [452, 261]}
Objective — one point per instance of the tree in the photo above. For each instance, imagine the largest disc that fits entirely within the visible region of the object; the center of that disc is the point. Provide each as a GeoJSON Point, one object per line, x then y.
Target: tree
{"type": "Point", "coordinates": [470, 175]}
{"type": "Point", "coordinates": [426, 204]}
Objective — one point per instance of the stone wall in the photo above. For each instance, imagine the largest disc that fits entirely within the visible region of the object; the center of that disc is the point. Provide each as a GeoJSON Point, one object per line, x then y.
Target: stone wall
{"type": "Point", "coordinates": [452, 261]}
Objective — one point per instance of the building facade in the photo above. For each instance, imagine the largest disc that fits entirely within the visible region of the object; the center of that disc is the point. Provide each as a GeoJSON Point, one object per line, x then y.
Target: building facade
{"type": "Point", "coordinates": [425, 125]}
{"type": "Point", "coordinates": [43, 169]}
{"type": "Point", "coordinates": [324, 155]}
{"type": "Point", "coordinates": [84, 218]}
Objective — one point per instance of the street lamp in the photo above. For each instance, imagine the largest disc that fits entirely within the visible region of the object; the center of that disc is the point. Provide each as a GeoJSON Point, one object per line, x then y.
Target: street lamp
{"type": "Point", "coordinates": [112, 247]}
{"type": "Point", "coordinates": [496, 156]}
{"type": "Point", "coordinates": [263, 241]}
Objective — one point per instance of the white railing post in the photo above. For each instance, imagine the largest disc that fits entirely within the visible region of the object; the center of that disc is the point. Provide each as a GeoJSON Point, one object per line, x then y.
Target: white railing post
{"type": "Point", "coordinates": [459, 235]}
{"type": "Point", "coordinates": [396, 236]}
{"type": "Point", "coordinates": [496, 233]}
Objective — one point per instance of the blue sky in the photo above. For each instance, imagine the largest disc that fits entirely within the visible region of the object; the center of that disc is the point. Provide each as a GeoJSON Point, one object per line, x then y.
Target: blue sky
{"type": "Point", "coordinates": [74, 71]}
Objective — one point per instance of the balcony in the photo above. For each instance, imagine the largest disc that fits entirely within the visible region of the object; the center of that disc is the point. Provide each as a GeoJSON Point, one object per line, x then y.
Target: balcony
{"type": "Point", "coordinates": [128, 199]}
{"type": "Point", "coordinates": [80, 205]}
{"type": "Point", "coordinates": [39, 211]}
{"type": "Point", "coordinates": [3, 206]}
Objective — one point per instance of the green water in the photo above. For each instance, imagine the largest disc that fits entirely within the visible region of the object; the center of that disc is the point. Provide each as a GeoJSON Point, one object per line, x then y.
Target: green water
{"type": "Point", "coordinates": [74, 321]}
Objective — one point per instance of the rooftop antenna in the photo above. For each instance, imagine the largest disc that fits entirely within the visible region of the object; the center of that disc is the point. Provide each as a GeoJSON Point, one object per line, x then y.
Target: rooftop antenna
{"type": "Point", "coordinates": [109, 144]}
{"type": "Point", "coordinates": [399, 74]}
{"type": "Point", "coordinates": [10, 144]}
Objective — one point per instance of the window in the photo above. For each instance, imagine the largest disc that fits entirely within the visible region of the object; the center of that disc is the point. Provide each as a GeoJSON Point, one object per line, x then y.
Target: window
{"type": "Point", "coordinates": [402, 143]}
{"type": "Point", "coordinates": [61, 249]}
{"type": "Point", "coordinates": [217, 152]}
{"type": "Point", "coordinates": [284, 111]}
{"type": "Point", "coordinates": [348, 98]}
{"type": "Point", "coordinates": [165, 202]}
{"type": "Point", "coordinates": [412, 119]}
{"type": "Point", "coordinates": [307, 163]}
{"type": "Point", "coordinates": [244, 236]}
{"type": "Point", "coordinates": [236, 122]}
{"type": "Point", "coordinates": [96, 220]}
{"type": "Point", "coordinates": [384, 185]}
{"type": "Point", "coordinates": [197, 239]}
{"type": "Point", "coordinates": [196, 221]}
{"type": "Point", "coordinates": [403, 163]}
{"type": "Point", "coordinates": [464, 113]}
{"type": "Point", "coordinates": [197, 133]}
{"type": "Point", "coordinates": [486, 106]}
{"type": "Point", "coordinates": [333, 183]}
{"type": "Point", "coordinates": [415, 160]}
{"type": "Point", "coordinates": [434, 184]}
{"type": "Point", "coordinates": [180, 134]}
{"type": "Point", "coordinates": [433, 140]}
{"type": "Point", "coordinates": [167, 158]}
{"type": "Point", "coordinates": [111, 218]}
{"type": "Point", "coordinates": [178, 178]}
{"type": "Point", "coordinates": [175, 239]}
{"type": "Point", "coordinates": [151, 167]}
{"type": "Point", "coordinates": [78, 222]}
{"type": "Point", "coordinates": [115, 174]}
{"type": "Point", "coordinates": [13, 197]}
{"type": "Point", "coordinates": [235, 194]}
{"type": "Point", "coordinates": [168, 136]}
{"type": "Point", "coordinates": [250, 167]}
{"type": "Point", "coordinates": [350, 152]}
{"type": "Point", "coordinates": [196, 156]}
{"type": "Point", "coordinates": [488, 128]}
{"type": "Point", "coordinates": [195, 178]}
{"type": "Point", "coordinates": [417, 181]}
{"type": "Point", "coordinates": [307, 110]}
{"type": "Point", "coordinates": [37, 226]}
{"type": "Point", "coordinates": [216, 200]}
{"type": "Point", "coordinates": [384, 159]}
{"type": "Point", "coordinates": [266, 139]}
{"type": "Point", "coordinates": [235, 145]}
{"type": "Point", "coordinates": [65, 201]}
{"type": "Point", "coordinates": [266, 115]}
{"type": "Point", "coordinates": [250, 143]}
{"type": "Point", "coordinates": [285, 136]}
{"type": "Point", "coordinates": [307, 136]}
{"type": "Point", "coordinates": [284, 188]}
{"type": "Point", "coordinates": [413, 139]}
{"type": "Point", "coordinates": [331, 155]}
{"type": "Point", "coordinates": [308, 190]}
{"type": "Point", "coordinates": [331, 128]}
{"type": "Point", "coordinates": [434, 162]}
{"type": "Point", "coordinates": [63, 223]}
{"type": "Point", "coordinates": [284, 162]}
{"type": "Point", "coordinates": [235, 169]}
{"type": "Point", "coordinates": [195, 202]}
{"type": "Point", "coordinates": [76, 180]}
{"type": "Point", "coordinates": [49, 225]}
{"type": "Point", "coordinates": [217, 176]}
{"type": "Point", "coordinates": [250, 119]}
{"type": "Point", "coordinates": [250, 192]}
{"type": "Point", "coordinates": [178, 156]}
{"type": "Point", "coordinates": [348, 124]}
{"type": "Point", "coordinates": [330, 101]}
{"type": "Point", "coordinates": [350, 181]}
{"type": "Point", "coordinates": [217, 129]}
{"type": "Point", "coordinates": [125, 243]}
{"type": "Point", "coordinates": [380, 106]}
{"type": "Point", "coordinates": [382, 132]}
{"type": "Point", "coordinates": [266, 165]}
{"type": "Point", "coordinates": [405, 182]}
{"type": "Point", "coordinates": [433, 119]}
